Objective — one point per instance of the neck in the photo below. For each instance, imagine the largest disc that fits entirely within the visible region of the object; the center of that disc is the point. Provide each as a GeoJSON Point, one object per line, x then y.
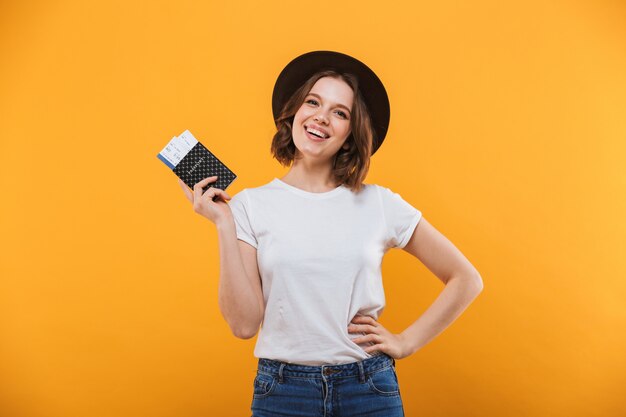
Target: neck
{"type": "Point", "coordinates": [309, 176]}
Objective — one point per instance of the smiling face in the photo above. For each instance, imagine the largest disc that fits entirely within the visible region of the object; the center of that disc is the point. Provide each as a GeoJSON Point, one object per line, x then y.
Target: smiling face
{"type": "Point", "coordinates": [322, 124]}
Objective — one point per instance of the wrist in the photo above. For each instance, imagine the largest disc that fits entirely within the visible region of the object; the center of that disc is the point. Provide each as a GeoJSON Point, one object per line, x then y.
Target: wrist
{"type": "Point", "coordinates": [225, 224]}
{"type": "Point", "coordinates": [410, 347]}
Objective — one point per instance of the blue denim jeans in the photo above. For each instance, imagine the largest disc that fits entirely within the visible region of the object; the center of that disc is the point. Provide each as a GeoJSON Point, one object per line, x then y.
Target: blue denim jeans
{"type": "Point", "coordinates": [364, 388]}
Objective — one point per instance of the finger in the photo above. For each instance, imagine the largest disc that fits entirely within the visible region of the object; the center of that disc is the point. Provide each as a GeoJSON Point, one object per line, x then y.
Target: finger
{"type": "Point", "coordinates": [205, 181]}
{"type": "Point", "coordinates": [369, 338]}
{"type": "Point", "coordinates": [186, 190]}
{"type": "Point", "coordinates": [371, 349]}
{"type": "Point", "coordinates": [222, 193]}
{"type": "Point", "coordinates": [206, 195]}
{"type": "Point", "coordinates": [217, 193]}
{"type": "Point", "coordinates": [198, 188]}
{"type": "Point", "coordinates": [357, 328]}
{"type": "Point", "coordinates": [365, 320]}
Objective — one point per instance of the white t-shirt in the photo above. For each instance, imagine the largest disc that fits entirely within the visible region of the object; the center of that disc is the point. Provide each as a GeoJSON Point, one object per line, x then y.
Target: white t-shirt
{"type": "Point", "coordinates": [319, 257]}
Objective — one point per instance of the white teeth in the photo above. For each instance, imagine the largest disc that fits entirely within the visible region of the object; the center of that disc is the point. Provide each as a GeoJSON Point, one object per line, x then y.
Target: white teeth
{"type": "Point", "coordinates": [316, 132]}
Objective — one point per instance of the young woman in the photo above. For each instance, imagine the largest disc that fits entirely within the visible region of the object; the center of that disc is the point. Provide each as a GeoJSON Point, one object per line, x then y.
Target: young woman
{"type": "Point", "coordinates": [301, 255]}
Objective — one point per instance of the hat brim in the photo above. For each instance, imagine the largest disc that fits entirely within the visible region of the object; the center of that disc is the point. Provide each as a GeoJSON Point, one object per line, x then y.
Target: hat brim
{"type": "Point", "coordinates": [300, 69]}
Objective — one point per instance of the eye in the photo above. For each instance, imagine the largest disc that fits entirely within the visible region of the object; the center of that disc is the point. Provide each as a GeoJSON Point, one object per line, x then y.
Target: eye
{"type": "Point", "coordinates": [342, 114]}
{"type": "Point", "coordinates": [312, 101]}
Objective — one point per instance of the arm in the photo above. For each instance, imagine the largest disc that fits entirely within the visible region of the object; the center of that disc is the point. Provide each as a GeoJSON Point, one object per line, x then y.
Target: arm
{"type": "Point", "coordinates": [240, 294]}
{"type": "Point", "coordinates": [463, 284]}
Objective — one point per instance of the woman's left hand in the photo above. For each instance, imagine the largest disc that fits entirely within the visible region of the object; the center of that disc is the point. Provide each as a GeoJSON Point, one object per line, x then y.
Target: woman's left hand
{"type": "Point", "coordinates": [394, 345]}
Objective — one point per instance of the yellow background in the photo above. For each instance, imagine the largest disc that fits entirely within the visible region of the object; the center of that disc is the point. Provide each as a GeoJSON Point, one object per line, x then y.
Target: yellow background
{"type": "Point", "coordinates": [508, 131]}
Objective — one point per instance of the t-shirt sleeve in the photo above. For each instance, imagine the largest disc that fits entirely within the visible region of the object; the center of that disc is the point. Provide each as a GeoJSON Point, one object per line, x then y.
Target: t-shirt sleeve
{"type": "Point", "coordinates": [400, 218]}
{"type": "Point", "coordinates": [240, 207]}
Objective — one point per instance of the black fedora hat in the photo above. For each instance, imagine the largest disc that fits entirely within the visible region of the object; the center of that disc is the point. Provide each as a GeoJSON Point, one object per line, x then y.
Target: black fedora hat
{"type": "Point", "coordinates": [301, 68]}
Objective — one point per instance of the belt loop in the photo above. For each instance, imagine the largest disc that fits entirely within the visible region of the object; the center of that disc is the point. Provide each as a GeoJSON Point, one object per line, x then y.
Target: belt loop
{"type": "Point", "coordinates": [280, 373]}
{"type": "Point", "coordinates": [361, 372]}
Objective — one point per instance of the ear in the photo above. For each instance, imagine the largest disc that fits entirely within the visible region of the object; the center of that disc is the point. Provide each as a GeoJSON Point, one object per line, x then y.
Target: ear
{"type": "Point", "coordinates": [346, 144]}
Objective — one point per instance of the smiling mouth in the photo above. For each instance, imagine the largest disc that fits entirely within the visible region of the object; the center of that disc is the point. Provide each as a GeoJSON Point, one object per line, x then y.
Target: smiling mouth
{"type": "Point", "coordinates": [314, 132]}
{"type": "Point", "coordinates": [314, 138]}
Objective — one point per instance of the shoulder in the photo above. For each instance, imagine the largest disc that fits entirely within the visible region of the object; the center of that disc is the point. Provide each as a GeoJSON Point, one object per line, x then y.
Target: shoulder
{"type": "Point", "coordinates": [378, 190]}
{"type": "Point", "coordinates": [256, 189]}
{"type": "Point", "coordinates": [260, 192]}
{"type": "Point", "coordinates": [387, 192]}
{"type": "Point", "coordinates": [392, 200]}
{"type": "Point", "coordinates": [381, 188]}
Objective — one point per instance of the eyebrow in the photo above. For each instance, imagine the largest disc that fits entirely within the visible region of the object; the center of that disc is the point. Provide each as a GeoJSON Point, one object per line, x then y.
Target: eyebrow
{"type": "Point", "coordinates": [338, 104]}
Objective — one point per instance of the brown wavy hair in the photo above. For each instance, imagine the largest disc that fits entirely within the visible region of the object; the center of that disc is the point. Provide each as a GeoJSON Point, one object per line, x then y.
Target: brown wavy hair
{"type": "Point", "coordinates": [350, 166]}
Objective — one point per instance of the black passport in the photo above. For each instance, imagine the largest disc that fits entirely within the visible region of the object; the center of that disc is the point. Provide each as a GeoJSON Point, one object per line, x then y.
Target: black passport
{"type": "Point", "coordinates": [191, 161]}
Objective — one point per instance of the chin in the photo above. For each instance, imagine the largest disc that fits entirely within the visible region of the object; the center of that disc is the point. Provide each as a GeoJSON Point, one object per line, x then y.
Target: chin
{"type": "Point", "coordinates": [308, 151]}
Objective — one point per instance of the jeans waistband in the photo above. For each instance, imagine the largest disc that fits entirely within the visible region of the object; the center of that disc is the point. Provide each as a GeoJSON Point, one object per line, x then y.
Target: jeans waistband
{"type": "Point", "coordinates": [359, 368]}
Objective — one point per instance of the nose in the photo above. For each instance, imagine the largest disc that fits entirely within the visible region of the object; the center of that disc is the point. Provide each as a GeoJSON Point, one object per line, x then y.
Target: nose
{"type": "Point", "coordinates": [320, 117]}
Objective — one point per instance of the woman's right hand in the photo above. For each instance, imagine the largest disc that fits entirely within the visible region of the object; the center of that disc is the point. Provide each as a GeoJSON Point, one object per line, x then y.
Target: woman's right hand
{"type": "Point", "coordinates": [203, 204]}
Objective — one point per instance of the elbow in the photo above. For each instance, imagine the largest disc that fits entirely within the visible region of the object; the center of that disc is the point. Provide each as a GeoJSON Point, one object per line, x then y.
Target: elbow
{"type": "Point", "coordinates": [240, 327]}
{"type": "Point", "coordinates": [243, 333]}
{"type": "Point", "coordinates": [477, 282]}
{"type": "Point", "coordinates": [471, 281]}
